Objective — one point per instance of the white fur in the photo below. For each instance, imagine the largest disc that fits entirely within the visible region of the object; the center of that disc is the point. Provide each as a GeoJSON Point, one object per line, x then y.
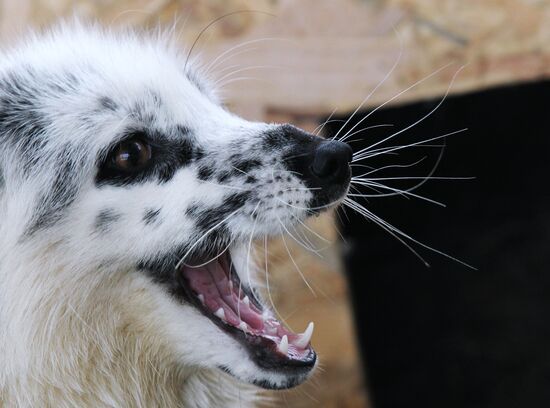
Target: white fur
{"type": "Point", "coordinates": [79, 326]}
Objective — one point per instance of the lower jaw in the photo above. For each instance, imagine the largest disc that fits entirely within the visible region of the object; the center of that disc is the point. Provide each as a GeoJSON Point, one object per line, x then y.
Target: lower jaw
{"type": "Point", "coordinates": [270, 380]}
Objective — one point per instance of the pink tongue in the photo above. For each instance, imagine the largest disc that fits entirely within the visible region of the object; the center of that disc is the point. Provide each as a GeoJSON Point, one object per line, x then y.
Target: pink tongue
{"type": "Point", "coordinates": [212, 282]}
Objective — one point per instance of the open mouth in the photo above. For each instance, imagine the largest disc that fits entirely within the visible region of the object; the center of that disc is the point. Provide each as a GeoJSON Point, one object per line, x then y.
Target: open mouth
{"type": "Point", "coordinates": [214, 287]}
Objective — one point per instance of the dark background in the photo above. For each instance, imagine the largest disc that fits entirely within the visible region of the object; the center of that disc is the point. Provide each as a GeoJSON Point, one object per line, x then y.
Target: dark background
{"type": "Point", "coordinates": [447, 335]}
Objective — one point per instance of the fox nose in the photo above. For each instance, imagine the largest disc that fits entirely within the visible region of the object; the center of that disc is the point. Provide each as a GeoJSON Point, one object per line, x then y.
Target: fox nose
{"type": "Point", "coordinates": [323, 165]}
{"type": "Point", "coordinates": [331, 159]}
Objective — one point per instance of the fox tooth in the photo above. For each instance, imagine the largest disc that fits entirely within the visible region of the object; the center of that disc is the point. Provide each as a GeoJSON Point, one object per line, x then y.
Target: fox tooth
{"type": "Point", "coordinates": [243, 326]}
{"type": "Point", "coordinates": [303, 339]}
{"type": "Point", "coordinates": [283, 345]}
{"type": "Point", "coordinates": [220, 313]}
{"type": "Point", "coordinates": [201, 298]}
{"type": "Point", "coordinates": [246, 300]}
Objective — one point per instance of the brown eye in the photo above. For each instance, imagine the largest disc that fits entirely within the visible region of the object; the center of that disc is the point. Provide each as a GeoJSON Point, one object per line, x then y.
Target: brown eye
{"type": "Point", "coordinates": [132, 155]}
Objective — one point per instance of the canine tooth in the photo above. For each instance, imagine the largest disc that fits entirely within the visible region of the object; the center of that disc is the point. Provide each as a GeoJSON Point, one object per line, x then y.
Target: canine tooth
{"type": "Point", "coordinates": [303, 340]}
{"type": "Point", "coordinates": [283, 345]}
{"type": "Point", "coordinates": [201, 298]}
{"type": "Point", "coordinates": [246, 301]}
{"type": "Point", "coordinates": [220, 313]}
{"type": "Point", "coordinates": [243, 326]}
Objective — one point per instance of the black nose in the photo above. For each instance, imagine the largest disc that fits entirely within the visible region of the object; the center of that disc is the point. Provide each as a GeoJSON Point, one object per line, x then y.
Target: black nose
{"type": "Point", "coordinates": [330, 160]}
{"type": "Point", "coordinates": [322, 165]}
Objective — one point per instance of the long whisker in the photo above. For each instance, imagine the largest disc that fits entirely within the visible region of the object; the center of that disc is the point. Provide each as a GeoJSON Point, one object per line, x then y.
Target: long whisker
{"type": "Point", "coordinates": [397, 96]}
{"type": "Point", "coordinates": [385, 149]}
{"type": "Point", "coordinates": [419, 120]}
{"type": "Point", "coordinates": [411, 178]}
{"type": "Point", "coordinates": [236, 71]}
{"type": "Point", "coordinates": [212, 65]}
{"type": "Point", "coordinates": [393, 148]}
{"type": "Point", "coordinates": [365, 129]}
{"type": "Point", "coordinates": [247, 262]}
{"type": "Point", "coordinates": [374, 217]}
{"type": "Point", "coordinates": [354, 206]}
{"type": "Point", "coordinates": [296, 265]}
{"type": "Point", "coordinates": [198, 241]}
{"type": "Point", "coordinates": [310, 230]}
{"type": "Point", "coordinates": [305, 246]}
{"type": "Point", "coordinates": [432, 171]}
{"type": "Point", "coordinates": [396, 191]}
{"type": "Point", "coordinates": [317, 131]}
{"type": "Point", "coordinates": [300, 233]}
{"type": "Point", "coordinates": [243, 78]}
{"type": "Point", "coordinates": [267, 285]}
{"type": "Point", "coordinates": [213, 259]}
{"type": "Point", "coordinates": [250, 248]}
{"type": "Point", "coordinates": [213, 71]}
{"type": "Point", "coordinates": [214, 22]}
{"type": "Point", "coordinates": [393, 166]}
{"type": "Point", "coordinates": [396, 63]}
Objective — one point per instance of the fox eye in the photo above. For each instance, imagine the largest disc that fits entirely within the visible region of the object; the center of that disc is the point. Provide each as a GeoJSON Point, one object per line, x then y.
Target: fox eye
{"type": "Point", "coordinates": [131, 155]}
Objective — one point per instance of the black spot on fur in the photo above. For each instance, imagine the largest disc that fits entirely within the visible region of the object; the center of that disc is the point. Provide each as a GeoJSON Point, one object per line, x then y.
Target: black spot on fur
{"type": "Point", "coordinates": [244, 166]}
{"type": "Point", "coordinates": [193, 210]}
{"type": "Point", "coordinates": [198, 153]}
{"type": "Point", "coordinates": [223, 176]}
{"type": "Point", "coordinates": [287, 136]}
{"type": "Point", "coordinates": [105, 219]}
{"type": "Point", "coordinates": [23, 125]}
{"type": "Point", "coordinates": [205, 172]}
{"type": "Point", "coordinates": [21, 120]}
{"type": "Point", "coordinates": [58, 196]}
{"type": "Point", "coordinates": [208, 217]}
{"type": "Point", "coordinates": [151, 215]}
{"type": "Point", "coordinates": [108, 103]}
{"type": "Point", "coordinates": [251, 179]}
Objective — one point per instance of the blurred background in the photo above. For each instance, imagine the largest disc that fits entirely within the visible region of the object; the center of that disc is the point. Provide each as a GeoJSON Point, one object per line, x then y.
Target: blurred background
{"type": "Point", "coordinates": [390, 330]}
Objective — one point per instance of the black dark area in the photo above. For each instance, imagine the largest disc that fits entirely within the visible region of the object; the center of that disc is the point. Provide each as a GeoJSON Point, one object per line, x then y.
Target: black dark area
{"type": "Point", "coordinates": [449, 336]}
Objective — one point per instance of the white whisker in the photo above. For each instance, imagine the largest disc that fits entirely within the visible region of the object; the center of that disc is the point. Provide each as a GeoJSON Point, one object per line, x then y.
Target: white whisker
{"type": "Point", "coordinates": [310, 230]}
{"type": "Point", "coordinates": [213, 259]}
{"type": "Point", "coordinates": [398, 95]}
{"type": "Point", "coordinates": [198, 241]}
{"type": "Point", "coordinates": [362, 210]}
{"type": "Point", "coordinates": [317, 131]}
{"type": "Point", "coordinates": [212, 64]}
{"type": "Point", "coordinates": [396, 63]}
{"type": "Point", "coordinates": [296, 266]}
{"type": "Point", "coordinates": [419, 120]}
{"type": "Point", "coordinates": [268, 287]}
{"type": "Point", "coordinates": [392, 149]}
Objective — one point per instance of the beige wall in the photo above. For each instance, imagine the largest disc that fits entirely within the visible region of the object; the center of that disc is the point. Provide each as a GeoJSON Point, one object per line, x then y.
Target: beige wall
{"type": "Point", "coordinates": [303, 60]}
